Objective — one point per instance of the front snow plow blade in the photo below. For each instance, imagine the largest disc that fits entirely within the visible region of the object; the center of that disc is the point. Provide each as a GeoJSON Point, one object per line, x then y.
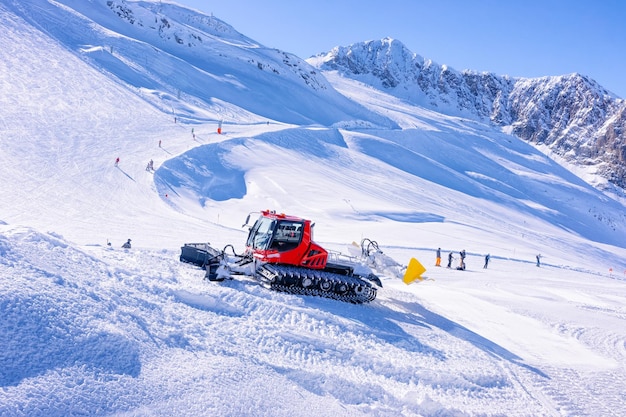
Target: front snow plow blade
{"type": "Point", "coordinates": [413, 272]}
{"type": "Point", "coordinates": [199, 254]}
{"type": "Point", "coordinates": [204, 256]}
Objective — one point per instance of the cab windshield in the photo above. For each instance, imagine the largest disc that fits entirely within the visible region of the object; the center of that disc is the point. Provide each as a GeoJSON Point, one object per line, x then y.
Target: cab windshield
{"type": "Point", "coordinates": [261, 233]}
{"type": "Point", "coordinates": [281, 235]}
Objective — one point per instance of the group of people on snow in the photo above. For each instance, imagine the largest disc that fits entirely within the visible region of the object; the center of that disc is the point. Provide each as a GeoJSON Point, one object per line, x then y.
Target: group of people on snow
{"type": "Point", "coordinates": [462, 256]}
{"type": "Point", "coordinates": [125, 245]}
{"type": "Point", "coordinates": [451, 258]}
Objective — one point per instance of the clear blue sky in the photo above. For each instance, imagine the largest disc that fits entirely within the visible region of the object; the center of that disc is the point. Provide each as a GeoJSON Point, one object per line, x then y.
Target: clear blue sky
{"type": "Point", "coordinates": [520, 38]}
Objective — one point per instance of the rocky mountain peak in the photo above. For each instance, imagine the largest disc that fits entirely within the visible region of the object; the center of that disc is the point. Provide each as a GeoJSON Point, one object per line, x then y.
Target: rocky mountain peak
{"type": "Point", "coordinates": [572, 114]}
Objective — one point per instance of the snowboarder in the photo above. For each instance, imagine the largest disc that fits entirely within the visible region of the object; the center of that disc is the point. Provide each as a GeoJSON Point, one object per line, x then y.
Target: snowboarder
{"type": "Point", "coordinates": [150, 166]}
{"type": "Point", "coordinates": [159, 143]}
{"type": "Point", "coordinates": [438, 261]}
{"type": "Point", "coordinates": [486, 261]}
{"type": "Point", "coordinates": [127, 244]}
{"type": "Point", "coordinates": [539, 260]}
{"type": "Point", "coordinates": [450, 259]}
{"type": "Point", "coordinates": [117, 161]}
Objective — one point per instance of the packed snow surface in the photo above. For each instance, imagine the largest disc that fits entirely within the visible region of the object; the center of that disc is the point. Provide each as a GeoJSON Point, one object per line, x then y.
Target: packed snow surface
{"type": "Point", "coordinates": [89, 328]}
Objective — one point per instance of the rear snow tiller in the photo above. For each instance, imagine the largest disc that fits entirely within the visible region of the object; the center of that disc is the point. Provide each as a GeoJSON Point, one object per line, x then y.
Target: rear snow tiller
{"type": "Point", "coordinates": [281, 254]}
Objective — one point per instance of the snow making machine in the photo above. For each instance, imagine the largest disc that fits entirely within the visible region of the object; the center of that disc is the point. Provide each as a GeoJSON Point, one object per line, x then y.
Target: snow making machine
{"type": "Point", "coordinates": [281, 254]}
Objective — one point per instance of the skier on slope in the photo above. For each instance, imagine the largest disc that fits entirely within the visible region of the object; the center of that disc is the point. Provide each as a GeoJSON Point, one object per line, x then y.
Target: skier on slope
{"type": "Point", "coordinates": [127, 244]}
{"type": "Point", "coordinates": [438, 260]}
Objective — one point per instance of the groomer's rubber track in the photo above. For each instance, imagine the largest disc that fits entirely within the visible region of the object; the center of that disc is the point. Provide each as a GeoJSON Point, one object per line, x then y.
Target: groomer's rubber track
{"type": "Point", "coordinates": [305, 281]}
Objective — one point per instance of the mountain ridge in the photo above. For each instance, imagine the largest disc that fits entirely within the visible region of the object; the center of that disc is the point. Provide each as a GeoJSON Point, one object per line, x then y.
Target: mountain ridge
{"type": "Point", "coordinates": [573, 115]}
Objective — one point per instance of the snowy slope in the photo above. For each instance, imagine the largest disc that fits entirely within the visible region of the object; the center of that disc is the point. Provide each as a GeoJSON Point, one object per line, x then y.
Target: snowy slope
{"type": "Point", "coordinates": [96, 330]}
{"type": "Point", "coordinates": [571, 115]}
{"type": "Point", "coordinates": [106, 332]}
{"type": "Point", "coordinates": [196, 63]}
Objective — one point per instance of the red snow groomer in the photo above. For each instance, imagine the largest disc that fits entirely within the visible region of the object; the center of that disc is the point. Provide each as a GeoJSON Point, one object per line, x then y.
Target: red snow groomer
{"type": "Point", "coordinates": [281, 254]}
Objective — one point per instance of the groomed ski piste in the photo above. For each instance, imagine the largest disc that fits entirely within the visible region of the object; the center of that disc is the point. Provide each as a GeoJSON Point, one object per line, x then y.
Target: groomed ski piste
{"type": "Point", "coordinates": [89, 328]}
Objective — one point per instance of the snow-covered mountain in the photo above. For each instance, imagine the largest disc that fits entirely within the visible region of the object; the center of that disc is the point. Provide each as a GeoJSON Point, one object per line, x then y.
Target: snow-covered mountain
{"type": "Point", "coordinates": [202, 60]}
{"type": "Point", "coordinates": [88, 328]}
{"type": "Point", "coordinates": [571, 114]}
